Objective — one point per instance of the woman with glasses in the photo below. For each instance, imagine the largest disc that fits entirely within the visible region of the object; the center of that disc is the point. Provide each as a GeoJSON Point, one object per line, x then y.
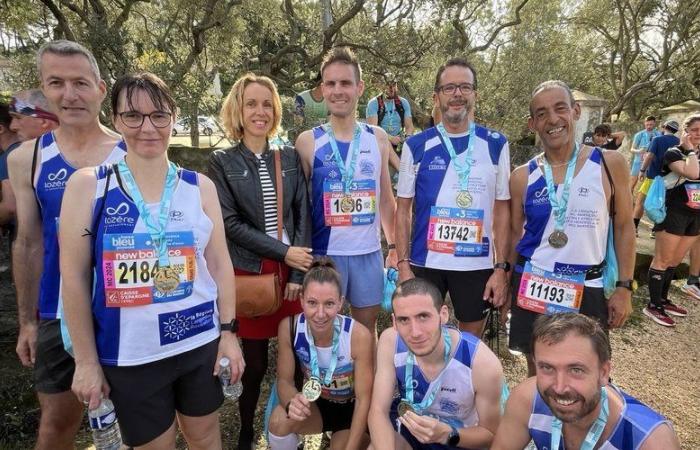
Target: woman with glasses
{"type": "Point", "coordinates": [149, 297]}
{"type": "Point", "coordinates": [244, 176]}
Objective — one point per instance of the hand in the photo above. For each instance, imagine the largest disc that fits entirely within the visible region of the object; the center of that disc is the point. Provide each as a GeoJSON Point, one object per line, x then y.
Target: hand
{"type": "Point", "coordinates": [299, 258]}
{"type": "Point", "coordinates": [89, 384]}
{"type": "Point", "coordinates": [426, 429]}
{"type": "Point", "coordinates": [405, 272]}
{"type": "Point", "coordinates": [619, 307]}
{"type": "Point", "coordinates": [26, 344]}
{"type": "Point", "coordinates": [642, 176]}
{"type": "Point", "coordinates": [496, 288]}
{"type": "Point", "coordinates": [395, 140]}
{"type": "Point", "coordinates": [391, 259]}
{"type": "Point", "coordinates": [228, 347]}
{"type": "Point", "coordinates": [299, 408]}
{"type": "Point", "coordinates": [291, 291]}
{"type": "Point", "coordinates": [685, 141]}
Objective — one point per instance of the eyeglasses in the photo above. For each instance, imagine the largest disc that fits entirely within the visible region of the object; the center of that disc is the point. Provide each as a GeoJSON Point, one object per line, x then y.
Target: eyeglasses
{"type": "Point", "coordinates": [134, 119]}
{"type": "Point", "coordinates": [449, 89]}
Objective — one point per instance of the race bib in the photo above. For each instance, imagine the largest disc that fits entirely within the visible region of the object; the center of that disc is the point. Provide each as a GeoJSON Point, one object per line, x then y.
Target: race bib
{"type": "Point", "coordinates": [693, 191]}
{"type": "Point", "coordinates": [456, 231]}
{"type": "Point", "coordinates": [547, 293]}
{"type": "Point", "coordinates": [129, 263]}
{"type": "Point", "coordinates": [357, 207]}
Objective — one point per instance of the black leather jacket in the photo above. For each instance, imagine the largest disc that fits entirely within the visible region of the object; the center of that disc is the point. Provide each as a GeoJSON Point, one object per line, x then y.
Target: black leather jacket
{"type": "Point", "coordinates": [235, 173]}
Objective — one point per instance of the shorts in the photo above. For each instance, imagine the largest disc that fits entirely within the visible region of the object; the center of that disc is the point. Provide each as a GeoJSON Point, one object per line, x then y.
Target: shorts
{"type": "Point", "coordinates": [335, 416]}
{"type": "Point", "coordinates": [466, 290]}
{"type": "Point", "coordinates": [593, 304]}
{"type": "Point", "coordinates": [644, 188]}
{"type": "Point", "coordinates": [680, 223]}
{"type": "Point", "coordinates": [54, 366]}
{"type": "Point", "coordinates": [146, 396]}
{"type": "Point", "coordinates": [412, 441]}
{"type": "Point", "coordinates": [363, 287]}
{"type": "Point", "coordinates": [636, 165]}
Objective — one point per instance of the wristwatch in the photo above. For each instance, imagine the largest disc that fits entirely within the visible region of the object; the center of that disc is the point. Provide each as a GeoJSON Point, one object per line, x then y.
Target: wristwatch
{"type": "Point", "coordinates": [502, 265]}
{"type": "Point", "coordinates": [627, 284]}
{"type": "Point", "coordinates": [231, 326]}
{"type": "Point", "coordinates": [453, 438]}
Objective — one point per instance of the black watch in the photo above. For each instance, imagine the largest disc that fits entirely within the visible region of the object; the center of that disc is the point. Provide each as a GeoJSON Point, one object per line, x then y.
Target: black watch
{"type": "Point", "coordinates": [453, 438]}
{"type": "Point", "coordinates": [627, 284]}
{"type": "Point", "coordinates": [232, 326]}
{"type": "Point", "coordinates": [502, 265]}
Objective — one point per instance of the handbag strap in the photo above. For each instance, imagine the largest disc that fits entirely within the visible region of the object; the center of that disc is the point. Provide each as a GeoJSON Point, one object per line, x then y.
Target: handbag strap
{"type": "Point", "coordinates": [612, 185]}
{"type": "Point", "coordinates": [278, 188]}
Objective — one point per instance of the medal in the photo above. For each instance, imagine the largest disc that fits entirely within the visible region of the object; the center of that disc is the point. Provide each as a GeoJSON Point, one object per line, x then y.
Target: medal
{"type": "Point", "coordinates": [311, 389]}
{"type": "Point", "coordinates": [404, 407]}
{"type": "Point", "coordinates": [166, 279]}
{"type": "Point", "coordinates": [558, 239]}
{"type": "Point", "coordinates": [346, 204]}
{"type": "Point", "coordinates": [347, 171]}
{"type": "Point", "coordinates": [464, 168]}
{"type": "Point", "coordinates": [464, 199]}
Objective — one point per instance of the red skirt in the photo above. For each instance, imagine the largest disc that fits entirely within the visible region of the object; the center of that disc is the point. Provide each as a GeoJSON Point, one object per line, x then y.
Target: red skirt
{"type": "Point", "coordinates": [266, 327]}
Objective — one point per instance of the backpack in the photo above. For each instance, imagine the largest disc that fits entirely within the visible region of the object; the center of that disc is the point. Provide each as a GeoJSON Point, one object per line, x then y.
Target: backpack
{"type": "Point", "coordinates": [381, 109]}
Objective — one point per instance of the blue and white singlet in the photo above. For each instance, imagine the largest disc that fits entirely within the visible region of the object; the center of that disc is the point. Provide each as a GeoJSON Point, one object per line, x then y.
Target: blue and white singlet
{"type": "Point", "coordinates": [427, 174]}
{"type": "Point", "coordinates": [342, 387]}
{"type": "Point", "coordinates": [454, 404]}
{"type": "Point", "coordinates": [135, 323]}
{"type": "Point", "coordinates": [586, 221]}
{"type": "Point", "coordinates": [339, 229]}
{"type": "Point", "coordinates": [635, 424]}
{"type": "Point", "coordinates": [50, 178]}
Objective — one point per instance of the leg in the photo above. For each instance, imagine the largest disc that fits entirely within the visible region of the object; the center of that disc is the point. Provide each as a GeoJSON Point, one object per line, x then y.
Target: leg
{"type": "Point", "coordinates": [692, 285]}
{"type": "Point", "coordinates": [201, 433]}
{"type": "Point", "coordinates": [255, 355]}
{"type": "Point", "coordinates": [466, 290]}
{"type": "Point", "coordinates": [340, 438]}
{"type": "Point", "coordinates": [284, 431]}
{"type": "Point", "coordinates": [368, 317]}
{"type": "Point", "coordinates": [165, 441]}
{"type": "Point", "coordinates": [476, 327]}
{"type": "Point", "coordinates": [61, 416]}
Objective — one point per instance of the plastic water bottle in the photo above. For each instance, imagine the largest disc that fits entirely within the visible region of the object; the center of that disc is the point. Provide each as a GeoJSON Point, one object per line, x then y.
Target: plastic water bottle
{"type": "Point", "coordinates": [105, 427]}
{"type": "Point", "coordinates": [232, 391]}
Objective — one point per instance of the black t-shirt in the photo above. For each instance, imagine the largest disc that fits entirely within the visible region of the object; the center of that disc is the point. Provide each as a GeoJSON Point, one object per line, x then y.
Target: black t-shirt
{"type": "Point", "coordinates": [588, 140]}
{"type": "Point", "coordinates": [677, 197]}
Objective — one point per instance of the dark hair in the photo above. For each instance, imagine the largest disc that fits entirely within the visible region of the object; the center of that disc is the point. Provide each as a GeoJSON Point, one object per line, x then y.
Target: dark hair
{"type": "Point", "coordinates": [688, 121]}
{"type": "Point", "coordinates": [419, 286]}
{"type": "Point", "coordinates": [650, 118]}
{"type": "Point", "coordinates": [154, 87]}
{"type": "Point", "coordinates": [5, 117]}
{"type": "Point", "coordinates": [603, 129]}
{"type": "Point", "coordinates": [553, 329]}
{"type": "Point", "coordinates": [552, 84]}
{"type": "Point", "coordinates": [322, 270]}
{"type": "Point", "coordinates": [459, 62]}
{"type": "Point", "coordinates": [343, 55]}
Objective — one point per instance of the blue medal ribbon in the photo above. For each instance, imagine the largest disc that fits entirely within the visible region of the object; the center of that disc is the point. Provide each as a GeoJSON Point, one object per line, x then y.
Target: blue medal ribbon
{"type": "Point", "coordinates": [155, 229]}
{"type": "Point", "coordinates": [347, 172]}
{"type": "Point", "coordinates": [408, 376]}
{"type": "Point", "coordinates": [594, 432]}
{"type": "Point", "coordinates": [463, 169]}
{"type": "Point", "coordinates": [313, 353]}
{"type": "Point", "coordinates": [559, 206]}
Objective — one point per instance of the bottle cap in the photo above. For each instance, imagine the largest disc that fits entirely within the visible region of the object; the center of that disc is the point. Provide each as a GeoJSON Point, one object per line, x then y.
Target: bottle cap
{"type": "Point", "coordinates": [224, 362]}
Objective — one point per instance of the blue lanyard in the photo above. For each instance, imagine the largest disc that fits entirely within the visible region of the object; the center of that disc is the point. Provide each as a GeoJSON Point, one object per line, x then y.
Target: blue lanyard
{"type": "Point", "coordinates": [313, 353]}
{"type": "Point", "coordinates": [559, 206]}
{"type": "Point", "coordinates": [346, 172]}
{"type": "Point", "coordinates": [156, 230]}
{"type": "Point", "coordinates": [408, 376]}
{"type": "Point", "coordinates": [594, 432]}
{"type": "Point", "coordinates": [463, 169]}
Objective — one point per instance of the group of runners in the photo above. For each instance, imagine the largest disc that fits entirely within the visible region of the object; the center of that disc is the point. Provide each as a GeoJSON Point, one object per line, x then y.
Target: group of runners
{"type": "Point", "coordinates": [143, 308]}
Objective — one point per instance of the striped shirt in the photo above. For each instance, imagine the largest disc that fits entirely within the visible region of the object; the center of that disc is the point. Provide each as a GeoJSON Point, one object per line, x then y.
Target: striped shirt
{"type": "Point", "coordinates": [269, 198]}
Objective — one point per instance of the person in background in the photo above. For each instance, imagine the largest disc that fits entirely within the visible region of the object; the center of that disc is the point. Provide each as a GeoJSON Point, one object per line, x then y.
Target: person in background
{"type": "Point", "coordinates": [640, 144]}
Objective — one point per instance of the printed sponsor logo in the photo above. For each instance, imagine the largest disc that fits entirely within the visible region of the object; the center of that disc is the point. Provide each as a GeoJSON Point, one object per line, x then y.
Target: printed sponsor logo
{"type": "Point", "coordinates": [303, 354]}
{"type": "Point", "coordinates": [541, 196]}
{"type": "Point", "coordinates": [123, 241]}
{"type": "Point", "coordinates": [56, 180]}
{"type": "Point", "coordinates": [449, 407]}
{"type": "Point", "coordinates": [58, 176]}
{"type": "Point", "coordinates": [177, 215]}
{"type": "Point", "coordinates": [438, 163]}
{"type": "Point", "coordinates": [366, 168]}
{"type": "Point", "coordinates": [179, 325]}
{"type": "Point", "coordinates": [583, 191]}
{"type": "Point", "coordinates": [120, 210]}
{"type": "Point", "coordinates": [118, 215]}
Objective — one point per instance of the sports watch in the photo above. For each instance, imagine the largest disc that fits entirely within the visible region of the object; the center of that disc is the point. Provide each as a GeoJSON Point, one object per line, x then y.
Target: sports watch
{"type": "Point", "coordinates": [231, 326]}
{"type": "Point", "coordinates": [627, 284]}
{"type": "Point", "coordinates": [502, 265]}
{"type": "Point", "coordinates": [453, 438]}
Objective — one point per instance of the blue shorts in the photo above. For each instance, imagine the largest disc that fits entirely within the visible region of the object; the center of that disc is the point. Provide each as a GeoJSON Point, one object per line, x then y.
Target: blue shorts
{"type": "Point", "coordinates": [636, 164]}
{"type": "Point", "coordinates": [362, 278]}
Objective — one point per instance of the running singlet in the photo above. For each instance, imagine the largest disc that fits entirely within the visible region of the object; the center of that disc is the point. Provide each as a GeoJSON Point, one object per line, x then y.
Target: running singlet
{"type": "Point", "coordinates": [135, 323]}
{"type": "Point", "coordinates": [454, 404]}
{"type": "Point", "coordinates": [446, 236]}
{"type": "Point", "coordinates": [636, 423]}
{"type": "Point", "coordinates": [586, 222]}
{"type": "Point", "coordinates": [342, 386]}
{"type": "Point", "coordinates": [50, 178]}
{"type": "Point", "coordinates": [341, 228]}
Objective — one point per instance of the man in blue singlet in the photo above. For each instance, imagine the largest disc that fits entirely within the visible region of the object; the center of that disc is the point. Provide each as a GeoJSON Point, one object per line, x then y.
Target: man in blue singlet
{"type": "Point", "coordinates": [39, 169]}
{"type": "Point", "coordinates": [570, 404]}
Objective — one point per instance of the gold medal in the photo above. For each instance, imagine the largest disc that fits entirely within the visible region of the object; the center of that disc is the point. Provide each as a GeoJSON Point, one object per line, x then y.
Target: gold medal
{"type": "Point", "coordinates": [166, 279]}
{"type": "Point", "coordinates": [346, 204]}
{"type": "Point", "coordinates": [464, 199]}
{"type": "Point", "coordinates": [404, 407]}
{"type": "Point", "coordinates": [558, 239]}
{"type": "Point", "coordinates": [311, 389]}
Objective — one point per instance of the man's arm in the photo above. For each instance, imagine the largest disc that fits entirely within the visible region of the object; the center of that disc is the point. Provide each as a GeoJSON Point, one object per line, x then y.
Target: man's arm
{"type": "Point", "coordinates": [387, 202]}
{"type": "Point", "coordinates": [363, 372]}
{"type": "Point", "coordinates": [305, 147]}
{"type": "Point", "coordinates": [618, 137]}
{"type": "Point", "coordinates": [8, 206]}
{"type": "Point", "coordinates": [383, 434]}
{"type": "Point", "coordinates": [513, 433]}
{"type": "Point", "coordinates": [28, 250]}
{"type": "Point", "coordinates": [518, 181]}
{"type": "Point", "coordinates": [662, 437]}
{"type": "Point", "coordinates": [496, 287]}
{"type": "Point", "coordinates": [405, 191]}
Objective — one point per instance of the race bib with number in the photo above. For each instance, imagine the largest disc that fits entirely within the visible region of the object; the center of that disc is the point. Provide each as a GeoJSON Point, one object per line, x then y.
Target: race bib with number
{"type": "Point", "coordinates": [456, 231]}
{"type": "Point", "coordinates": [357, 207]}
{"type": "Point", "coordinates": [340, 389]}
{"type": "Point", "coordinates": [547, 293]}
{"type": "Point", "coordinates": [693, 191]}
{"type": "Point", "coordinates": [129, 263]}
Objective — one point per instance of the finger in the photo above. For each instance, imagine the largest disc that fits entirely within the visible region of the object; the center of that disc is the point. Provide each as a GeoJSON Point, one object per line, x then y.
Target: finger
{"type": "Point", "coordinates": [287, 293]}
{"type": "Point", "coordinates": [95, 399]}
{"type": "Point", "coordinates": [32, 353]}
{"type": "Point", "coordinates": [488, 292]}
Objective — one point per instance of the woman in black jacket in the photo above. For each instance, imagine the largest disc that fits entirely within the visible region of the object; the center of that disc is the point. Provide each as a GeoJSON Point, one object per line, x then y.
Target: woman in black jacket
{"type": "Point", "coordinates": [244, 176]}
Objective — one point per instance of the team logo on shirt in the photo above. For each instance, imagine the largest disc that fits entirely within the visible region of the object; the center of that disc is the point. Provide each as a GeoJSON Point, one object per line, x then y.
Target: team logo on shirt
{"type": "Point", "coordinates": [118, 215]}
{"type": "Point", "coordinates": [366, 168]}
{"type": "Point", "coordinates": [303, 354]}
{"type": "Point", "coordinates": [176, 215]}
{"type": "Point", "coordinates": [583, 191]}
{"type": "Point", "coordinates": [541, 196]}
{"type": "Point", "coordinates": [438, 163]}
{"type": "Point", "coordinates": [179, 325]}
{"type": "Point", "coordinates": [56, 180]}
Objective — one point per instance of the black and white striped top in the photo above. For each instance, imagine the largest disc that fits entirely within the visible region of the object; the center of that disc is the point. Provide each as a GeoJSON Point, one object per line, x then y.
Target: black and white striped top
{"type": "Point", "coordinates": [269, 198]}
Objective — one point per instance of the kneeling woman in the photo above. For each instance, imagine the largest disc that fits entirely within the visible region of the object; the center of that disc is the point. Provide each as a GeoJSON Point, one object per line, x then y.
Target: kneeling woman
{"type": "Point", "coordinates": [333, 355]}
{"type": "Point", "coordinates": [147, 281]}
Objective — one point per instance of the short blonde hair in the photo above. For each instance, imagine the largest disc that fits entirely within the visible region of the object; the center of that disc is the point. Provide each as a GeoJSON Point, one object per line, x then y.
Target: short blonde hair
{"type": "Point", "coordinates": [231, 114]}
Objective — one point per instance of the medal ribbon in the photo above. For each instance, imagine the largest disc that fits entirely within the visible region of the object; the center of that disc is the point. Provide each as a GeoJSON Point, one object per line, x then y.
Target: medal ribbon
{"type": "Point", "coordinates": [313, 353]}
{"type": "Point", "coordinates": [559, 206]}
{"type": "Point", "coordinates": [463, 169]}
{"type": "Point", "coordinates": [408, 376]}
{"type": "Point", "coordinates": [155, 229]}
{"type": "Point", "coordinates": [347, 172]}
{"type": "Point", "coordinates": [594, 432]}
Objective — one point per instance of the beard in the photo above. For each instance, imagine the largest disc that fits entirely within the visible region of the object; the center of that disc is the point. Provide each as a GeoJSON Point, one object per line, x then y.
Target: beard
{"type": "Point", "coordinates": [455, 117]}
{"type": "Point", "coordinates": [433, 347]}
{"type": "Point", "coordinates": [585, 406]}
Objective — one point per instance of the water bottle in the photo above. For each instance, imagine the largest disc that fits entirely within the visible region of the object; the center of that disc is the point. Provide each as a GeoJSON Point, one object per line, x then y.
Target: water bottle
{"type": "Point", "coordinates": [232, 391]}
{"type": "Point", "coordinates": [105, 427]}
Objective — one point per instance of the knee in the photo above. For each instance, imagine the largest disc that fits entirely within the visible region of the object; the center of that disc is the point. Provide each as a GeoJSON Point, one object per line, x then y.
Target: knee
{"type": "Point", "coordinates": [205, 435]}
{"type": "Point", "coordinates": [280, 424]}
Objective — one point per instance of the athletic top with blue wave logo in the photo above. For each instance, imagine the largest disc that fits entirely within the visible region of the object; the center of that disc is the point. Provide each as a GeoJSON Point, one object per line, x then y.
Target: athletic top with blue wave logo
{"type": "Point", "coordinates": [342, 387]}
{"type": "Point", "coordinates": [445, 236]}
{"type": "Point", "coordinates": [454, 404]}
{"type": "Point", "coordinates": [637, 421]}
{"type": "Point", "coordinates": [586, 221]}
{"type": "Point", "coordinates": [134, 322]}
{"type": "Point", "coordinates": [50, 178]}
{"type": "Point", "coordinates": [340, 228]}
